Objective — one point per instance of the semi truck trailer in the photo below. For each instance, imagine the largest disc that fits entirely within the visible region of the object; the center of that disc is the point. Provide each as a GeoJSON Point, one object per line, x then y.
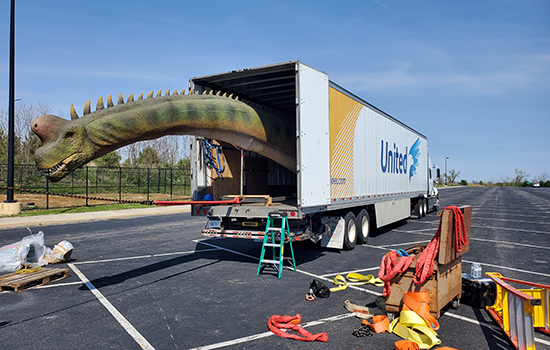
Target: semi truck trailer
{"type": "Point", "coordinates": [357, 168]}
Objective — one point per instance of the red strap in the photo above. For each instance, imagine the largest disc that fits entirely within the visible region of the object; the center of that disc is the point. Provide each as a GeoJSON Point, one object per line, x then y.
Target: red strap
{"type": "Point", "coordinates": [459, 228]}
{"type": "Point", "coordinates": [277, 322]}
{"type": "Point", "coordinates": [425, 263]}
{"type": "Point", "coordinates": [390, 266]}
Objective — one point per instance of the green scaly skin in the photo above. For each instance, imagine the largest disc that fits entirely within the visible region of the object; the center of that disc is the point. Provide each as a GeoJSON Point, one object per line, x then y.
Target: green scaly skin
{"type": "Point", "coordinates": [68, 145]}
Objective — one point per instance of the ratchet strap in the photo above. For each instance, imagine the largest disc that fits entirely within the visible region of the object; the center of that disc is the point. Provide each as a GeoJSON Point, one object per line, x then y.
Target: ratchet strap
{"type": "Point", "coordinates": [410, 326]}
{"type": "Point", "coordinates": [276, 323]}
{"type": "Point", "coordinates": [354, 279]}
{"type": "Point", "coordinates": [363, 311]}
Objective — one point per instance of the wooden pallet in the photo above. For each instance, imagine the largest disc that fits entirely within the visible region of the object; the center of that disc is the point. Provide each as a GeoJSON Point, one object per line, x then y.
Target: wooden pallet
{"type": "Point", "coordinates": [19, 282]}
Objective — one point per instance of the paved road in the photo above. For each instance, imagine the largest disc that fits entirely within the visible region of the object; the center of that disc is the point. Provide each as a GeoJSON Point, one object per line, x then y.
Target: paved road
{"type": "Point", "coordinates": [152, 282]}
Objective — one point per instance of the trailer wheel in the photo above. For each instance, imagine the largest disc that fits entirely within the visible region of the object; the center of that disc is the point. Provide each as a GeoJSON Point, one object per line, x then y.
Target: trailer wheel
{"type": "Point", "coordinates": [350, 232]}
{"type": "Point", "coordinates": [362, 223]}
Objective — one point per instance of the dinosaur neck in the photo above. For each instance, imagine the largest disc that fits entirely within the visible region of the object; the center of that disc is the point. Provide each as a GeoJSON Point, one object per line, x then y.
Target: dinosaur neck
{"type": "Point", "coordinates": [214, 117]}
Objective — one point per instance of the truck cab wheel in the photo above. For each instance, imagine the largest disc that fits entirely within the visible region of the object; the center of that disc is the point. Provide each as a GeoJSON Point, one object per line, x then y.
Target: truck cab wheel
{"type": "Point", "coordinates": [350, 231]}
{"type": "Point", "coordinates": [362, 222]}
{"type": "Point", "coordinates": [424, 206]}
{"type": "Point", "coordinates": [420, 205]}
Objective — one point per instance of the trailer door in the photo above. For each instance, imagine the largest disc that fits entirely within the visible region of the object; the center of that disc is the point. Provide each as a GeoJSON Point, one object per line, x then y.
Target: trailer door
{"type": "Point", "coordinates": [313, 137]}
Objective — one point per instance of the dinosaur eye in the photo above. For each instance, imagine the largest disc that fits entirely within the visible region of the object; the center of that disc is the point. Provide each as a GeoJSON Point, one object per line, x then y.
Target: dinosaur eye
{"type": "Point", "coordinates": [69, 135]}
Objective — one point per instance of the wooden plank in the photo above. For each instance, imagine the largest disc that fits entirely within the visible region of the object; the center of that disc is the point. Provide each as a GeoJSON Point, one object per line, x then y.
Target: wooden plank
{"type": "Point", "coordinates": [19, 282]}
{"type": "Point", "coordinates": [447, 249]}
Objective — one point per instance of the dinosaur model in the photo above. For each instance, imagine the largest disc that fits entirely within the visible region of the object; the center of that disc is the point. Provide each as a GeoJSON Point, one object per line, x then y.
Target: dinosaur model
{"type": "Point", "coordinates": [68, 145]}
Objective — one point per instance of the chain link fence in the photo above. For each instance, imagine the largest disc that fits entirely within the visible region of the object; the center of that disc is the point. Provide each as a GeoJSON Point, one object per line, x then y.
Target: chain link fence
{"type": "Point", "coordinates": [92, 185]}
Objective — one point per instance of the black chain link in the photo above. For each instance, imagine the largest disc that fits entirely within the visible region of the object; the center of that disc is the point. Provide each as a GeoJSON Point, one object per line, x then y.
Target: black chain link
{"type": "Point", "coordinates": [362, 331]}
{"type": "Point", "coordinates": [77, 196]}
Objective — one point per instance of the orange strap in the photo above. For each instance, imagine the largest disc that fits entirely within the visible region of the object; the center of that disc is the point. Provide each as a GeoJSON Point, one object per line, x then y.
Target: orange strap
{"type": "Point", "coordinates": [419, 302]}
{"type": "Point", "coordinates": [380, 323]}
{"type": "Point", "coordinates": [406, 345]}
{"type": "Point", "coordinates": [277, 322]}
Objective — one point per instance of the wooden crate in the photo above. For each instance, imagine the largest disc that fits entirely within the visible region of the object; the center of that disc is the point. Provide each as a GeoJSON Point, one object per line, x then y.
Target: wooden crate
{"type": "Point", "coordinates": [19, 282]}
{"type": "Point", "coordinates": [445, 285]}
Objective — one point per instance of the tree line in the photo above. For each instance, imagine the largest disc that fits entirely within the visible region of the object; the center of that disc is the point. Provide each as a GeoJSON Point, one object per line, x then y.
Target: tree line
{"type": "Point", "coordinates": [520, 178]}
{"type": "Point", "coordinates": [168, 151]}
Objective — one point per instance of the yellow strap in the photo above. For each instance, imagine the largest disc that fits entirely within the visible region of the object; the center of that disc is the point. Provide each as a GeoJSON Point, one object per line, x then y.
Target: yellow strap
{"type": "Point", "coordinates": [26, 269]}
{"type": "Point", "coordinates": [355, 279]}
{"type": "Point", "coordinates": [410, 326]}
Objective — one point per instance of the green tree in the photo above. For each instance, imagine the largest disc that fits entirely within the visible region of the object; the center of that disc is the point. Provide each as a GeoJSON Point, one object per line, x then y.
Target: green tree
{"type": "Point", "coordinates": [521, 176]}
{"type": "Point", "coordinates": [111, 159]}
{"type": "Point", "coordinates": [451, 176]}
{"type": "Point", "coordinates": [148, 157]}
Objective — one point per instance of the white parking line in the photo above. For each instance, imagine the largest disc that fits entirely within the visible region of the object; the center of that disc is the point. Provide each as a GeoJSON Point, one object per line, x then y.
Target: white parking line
{"type": "Point", "coordinates": [141, 257]}
{"type": "Point", "coordinates": [143, 343]}
{"type": "Point", "coordinates": [510, 268]}
{"type": "Point", "coordinates": [268, 334]}
{"type": "Point", "coordinates": [510, 229]}
{"type": "Point", "coordinates": [418, 232]}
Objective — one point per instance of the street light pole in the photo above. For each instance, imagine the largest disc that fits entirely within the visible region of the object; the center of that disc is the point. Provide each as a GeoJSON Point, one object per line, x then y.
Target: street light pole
{"type": "Point", "coordinates": [446, 171]}
{"type": "Point", "coordinates": [11, 130]}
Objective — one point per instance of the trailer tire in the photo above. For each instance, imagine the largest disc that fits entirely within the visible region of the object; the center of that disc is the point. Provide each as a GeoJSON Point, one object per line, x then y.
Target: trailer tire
{"type": "Point", "coordinates": [362, 223]}
{"type": "Point", "coordinates": [350, 231]}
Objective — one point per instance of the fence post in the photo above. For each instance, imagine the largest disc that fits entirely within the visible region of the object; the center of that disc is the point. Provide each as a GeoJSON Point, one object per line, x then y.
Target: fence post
{"type": "Point", "coordinates": [47, 194]}
{"type": "Point", "coordinates": [158, 180]}
{"type": "Point", "coordinates": [119, 184]}
{"type": "Point", "coordinates": [148, 184]}
{"type": "Point", "coordinates": [86, 185]}
{"type": "Point", "coordinates": [171, 181]}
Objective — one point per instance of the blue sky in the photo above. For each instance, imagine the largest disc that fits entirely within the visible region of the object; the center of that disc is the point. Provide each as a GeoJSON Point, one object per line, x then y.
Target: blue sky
{"type": "Point", "coordinates": [473, 76]}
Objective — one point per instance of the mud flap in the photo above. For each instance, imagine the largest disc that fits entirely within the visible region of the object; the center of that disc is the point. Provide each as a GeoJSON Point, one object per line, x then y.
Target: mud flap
{"type": "Point", "coordinates": [333, 237]}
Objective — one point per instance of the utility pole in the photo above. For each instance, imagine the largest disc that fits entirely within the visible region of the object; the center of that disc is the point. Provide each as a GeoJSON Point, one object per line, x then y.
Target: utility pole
{"type": "Point", "coordinates": [446, 171]}
{"type": "Point", "coordinates": [11, 130]}
{"type": "Point", "coordinates": [10, 206]}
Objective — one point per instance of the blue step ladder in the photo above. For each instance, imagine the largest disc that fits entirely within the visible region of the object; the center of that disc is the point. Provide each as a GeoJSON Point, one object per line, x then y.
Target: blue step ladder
{"type": "Point", "coordinates": [276, 237]}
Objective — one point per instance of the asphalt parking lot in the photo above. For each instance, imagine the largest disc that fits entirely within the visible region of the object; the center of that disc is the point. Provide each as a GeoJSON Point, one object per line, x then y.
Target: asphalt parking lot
{"type": "Point", "coordinates": [153, 282]}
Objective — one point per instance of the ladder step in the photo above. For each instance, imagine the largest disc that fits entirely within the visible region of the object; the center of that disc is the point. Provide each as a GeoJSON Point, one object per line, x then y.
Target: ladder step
{"type": "Point", "coordinates": [269, 261]}
{"type": "Point", "coordinates": [277, 229]}
{"type": "Point", "coordinates": [272, 245]}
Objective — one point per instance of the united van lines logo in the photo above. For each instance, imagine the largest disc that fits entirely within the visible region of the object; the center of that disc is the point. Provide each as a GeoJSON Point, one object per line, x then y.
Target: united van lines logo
{"type": "Point", "coordinates": [394, 162]}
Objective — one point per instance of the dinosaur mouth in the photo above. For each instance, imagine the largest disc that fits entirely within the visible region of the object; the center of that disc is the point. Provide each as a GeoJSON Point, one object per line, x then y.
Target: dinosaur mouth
{"type": "Point", "coordinates": [54, 169]}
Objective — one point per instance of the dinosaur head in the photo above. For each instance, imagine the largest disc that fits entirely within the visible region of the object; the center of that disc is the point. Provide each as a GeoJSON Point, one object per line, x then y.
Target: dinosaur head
{"type": "Point", "coordinates": [65, 146]}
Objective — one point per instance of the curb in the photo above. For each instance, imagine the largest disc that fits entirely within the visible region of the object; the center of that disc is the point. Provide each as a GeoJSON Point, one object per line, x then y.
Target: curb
{"type": "Point", "coordinates": [45, 220]}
